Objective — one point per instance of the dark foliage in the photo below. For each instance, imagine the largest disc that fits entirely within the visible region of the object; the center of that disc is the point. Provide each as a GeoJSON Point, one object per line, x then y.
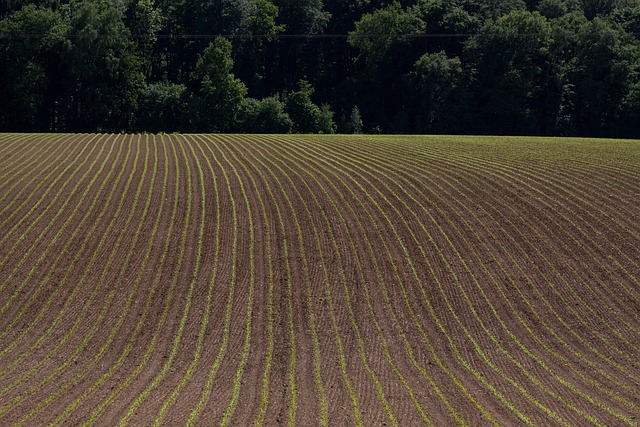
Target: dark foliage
{"type": "Point", "coordinates": [543, 67]}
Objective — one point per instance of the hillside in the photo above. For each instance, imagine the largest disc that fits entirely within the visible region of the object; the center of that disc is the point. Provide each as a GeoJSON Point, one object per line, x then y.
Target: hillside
{"type": "Point", "coordinates": [318, 280]}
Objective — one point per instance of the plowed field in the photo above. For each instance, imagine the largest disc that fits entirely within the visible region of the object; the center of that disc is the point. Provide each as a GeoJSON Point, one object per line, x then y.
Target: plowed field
{"type": "Point", "coordinates": [318, 280]}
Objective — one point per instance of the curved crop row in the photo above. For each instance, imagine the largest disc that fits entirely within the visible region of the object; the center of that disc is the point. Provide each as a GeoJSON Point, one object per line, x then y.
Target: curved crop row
{"type": "Point", "coordinates": [329, 280]}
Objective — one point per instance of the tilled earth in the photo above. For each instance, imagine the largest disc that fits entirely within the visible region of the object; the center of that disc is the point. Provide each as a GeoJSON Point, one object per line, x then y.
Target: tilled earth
{"type": "Point", "coordinates": [318, 280]}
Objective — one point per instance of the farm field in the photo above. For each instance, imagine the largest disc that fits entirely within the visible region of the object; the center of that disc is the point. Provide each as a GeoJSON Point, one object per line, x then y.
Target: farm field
{"type": "Point", "coordinates": [318, 280]}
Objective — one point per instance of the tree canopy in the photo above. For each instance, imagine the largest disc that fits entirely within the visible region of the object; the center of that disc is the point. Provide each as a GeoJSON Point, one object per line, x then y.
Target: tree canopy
{"type": "Point", "coordinates": [532, 67]}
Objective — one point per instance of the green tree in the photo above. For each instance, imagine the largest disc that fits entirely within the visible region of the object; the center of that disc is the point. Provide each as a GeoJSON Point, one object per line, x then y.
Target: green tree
{"type": "Point", "coordinates": [31, 42]}
{"type": "Point", "coordinates": [298, 57]}
{"type": "Point", "coordinates": [386, 51]}
{"type": "Point", "coordinates": [551, 9]}
{"type": "Point", "coordinates": [593, 8]}
{"type": "Point", "coordinates": [200, 18]}
{"type": "Point", "coordinates": [103, 69]}
{"type": "Point", "coordinates": [253, 57]}
{"type": "Point", "coordinates": [208, 16]}
{"type": "Point", "coordinates": [145, 21]}
{"type": "Point", "coordinates": [447, 17]}
{"type": "Point", "coordinates": [436, 92]}
{"type": "Point", "coordinates": [384, 36]}
{"type": "Point", "coordinates": [304, 113]}
{"type": "Point", "coordinates": [355, 124]}
{"type": "Point", "coordinates": [221, 93]}
{"type": "Point", "coordinates": [516, 86]}
{"type": "Point", "coordinates": [265, 116]}
{"type": "Point", "coordinates": [303, 16]}
{"type": "Point", "coordinates": [326, 124]}
{"type": "Point", "coordinates": [627, 14]}
{"type": "Point", "coordinates": [308, 117]}
{"type": "Point", "coordinates": [603, 76]}
{"type": "Point", "coordinates": [629, 123]}
{"type": "Point", "coordinates": [493, 9]}
{"type": "Point", "coordinates": [164, 107]}
{"type": "Point", "coordinates": [8, 7]}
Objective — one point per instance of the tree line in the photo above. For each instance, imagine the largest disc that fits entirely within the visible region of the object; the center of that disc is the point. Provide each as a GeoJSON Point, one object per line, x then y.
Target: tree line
{"type": "Point", "coordinates": [531, 67]}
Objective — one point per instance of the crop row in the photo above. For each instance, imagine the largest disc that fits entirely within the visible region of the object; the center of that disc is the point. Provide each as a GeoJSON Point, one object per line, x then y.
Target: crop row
{"type": "Point", "coordinates": [343, 280]}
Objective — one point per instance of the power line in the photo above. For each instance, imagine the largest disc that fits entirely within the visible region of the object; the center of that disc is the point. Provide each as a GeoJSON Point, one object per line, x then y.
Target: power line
{"type": "Point", "coordinates": [295, 36]}
{"type": "Point", "coordinates": [314, 36]}
{"type": "Point", "coordinates": [241, 36]}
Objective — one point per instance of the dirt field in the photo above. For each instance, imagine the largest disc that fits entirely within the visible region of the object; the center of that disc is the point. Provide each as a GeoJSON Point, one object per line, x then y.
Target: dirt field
{"type": "Point", "coordinates": [318, 280]}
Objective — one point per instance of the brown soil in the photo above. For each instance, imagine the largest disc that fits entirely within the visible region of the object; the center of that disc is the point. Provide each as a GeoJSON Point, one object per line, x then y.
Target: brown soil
{"type": "Point", "coordinates": [310, 280]}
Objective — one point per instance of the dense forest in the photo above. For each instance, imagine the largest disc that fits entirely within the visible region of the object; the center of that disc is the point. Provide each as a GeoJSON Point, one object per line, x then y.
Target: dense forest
{"type": "Point", "coordinates": [530, 67]}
